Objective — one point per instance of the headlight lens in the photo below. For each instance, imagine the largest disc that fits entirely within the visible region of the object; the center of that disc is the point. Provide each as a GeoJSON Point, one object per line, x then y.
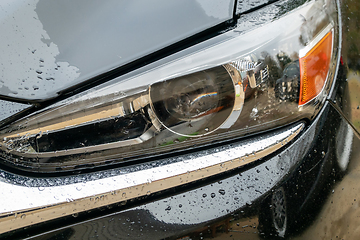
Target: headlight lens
{"type": "Point", "coordinates": [196, 104]}
{"type": "Point", "coordinates": [249, 83]}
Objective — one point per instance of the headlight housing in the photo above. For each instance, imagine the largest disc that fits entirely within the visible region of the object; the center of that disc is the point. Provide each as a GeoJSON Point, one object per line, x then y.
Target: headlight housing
{"type": "Point", "coordinates": [231, 86]}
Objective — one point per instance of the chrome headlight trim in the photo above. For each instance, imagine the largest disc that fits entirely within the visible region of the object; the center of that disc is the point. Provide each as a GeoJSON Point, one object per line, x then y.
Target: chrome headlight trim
{"type": "Point", "coordinates": [53, 198]}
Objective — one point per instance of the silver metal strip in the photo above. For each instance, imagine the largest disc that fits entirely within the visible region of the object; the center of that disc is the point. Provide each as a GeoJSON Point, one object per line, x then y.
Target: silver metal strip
{"type": "Point", "coordinates": [142, 138]}
{"type": "Point", "coordinates": [24, 205]}
{"type": "Point", "coordinates": [339, 48]}
{"type": "Point", "coordinates": [312, 44]}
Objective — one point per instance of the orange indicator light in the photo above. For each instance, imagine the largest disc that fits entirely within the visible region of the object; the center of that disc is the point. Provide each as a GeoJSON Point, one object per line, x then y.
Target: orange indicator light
{"type": "Point", "coordinates": [314, 68]}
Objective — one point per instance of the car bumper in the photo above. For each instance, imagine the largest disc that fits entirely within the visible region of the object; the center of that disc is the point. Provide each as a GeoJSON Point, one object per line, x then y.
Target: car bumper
{"type": "Point", "coordinates": [236, 178]}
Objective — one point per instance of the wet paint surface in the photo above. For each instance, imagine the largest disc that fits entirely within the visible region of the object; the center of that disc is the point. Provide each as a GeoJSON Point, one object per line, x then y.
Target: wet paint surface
{"type": "Point", "coordinates": [246, 5]}
{"type": "Point", "coordinates": [51, 45]}
{"type": "Point", "coordinates": [337, 215]}
{"type": "Point", "coordinates": [28, 56]}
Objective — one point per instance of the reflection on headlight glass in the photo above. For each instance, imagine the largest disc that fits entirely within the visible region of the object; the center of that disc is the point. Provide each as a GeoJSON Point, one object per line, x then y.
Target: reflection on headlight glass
{"type": "Point", "coordinates": [195, 104]}
{"type": "Point", "coordinates": [252, 93]}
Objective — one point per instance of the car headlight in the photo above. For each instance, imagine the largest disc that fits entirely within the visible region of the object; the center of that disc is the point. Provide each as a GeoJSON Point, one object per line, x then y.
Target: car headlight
{"type": "Point", "coordinates": [228, 87]}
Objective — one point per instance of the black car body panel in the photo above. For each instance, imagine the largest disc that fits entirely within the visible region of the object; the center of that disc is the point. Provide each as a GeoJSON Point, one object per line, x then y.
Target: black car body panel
{"type": "Point", "coordinates": [241, 195]}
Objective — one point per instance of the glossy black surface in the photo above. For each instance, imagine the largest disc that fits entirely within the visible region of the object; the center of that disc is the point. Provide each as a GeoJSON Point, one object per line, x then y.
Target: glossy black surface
{"type": "Point", "coordinates": [319, 195]}
{"type": "Point", "coordinates": [243, 197]}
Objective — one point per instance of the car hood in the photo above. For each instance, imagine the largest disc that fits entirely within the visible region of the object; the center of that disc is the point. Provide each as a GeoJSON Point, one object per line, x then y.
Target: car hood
{"type": "Point", "coordinates": [49, 45]}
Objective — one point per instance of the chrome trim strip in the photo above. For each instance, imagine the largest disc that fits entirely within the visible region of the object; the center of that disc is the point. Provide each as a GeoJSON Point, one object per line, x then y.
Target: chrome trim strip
{"type": "Point", "coordinates": [142, 138]}
{"type": "Point", "coordinates": [28, 205]}
{"type": "Point", "coordinates": [316, 40]}
{"type": "Point", "coordinates": [339, 48]}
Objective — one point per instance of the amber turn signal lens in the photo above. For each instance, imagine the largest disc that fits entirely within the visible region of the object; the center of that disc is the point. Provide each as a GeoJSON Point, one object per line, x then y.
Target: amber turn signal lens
{"type": "Point", "coordinates": [314, 68]}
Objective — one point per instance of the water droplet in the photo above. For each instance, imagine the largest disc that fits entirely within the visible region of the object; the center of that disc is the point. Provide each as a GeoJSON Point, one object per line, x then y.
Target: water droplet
{"type": "Point", "coordinates": [124, 194]}
{"type": "Point", "coordinates": [213, 195]}
{"type": "Point", "coordinates": [41, 188]}
{"type": "Point", "coordinates": [168, 208]}
{"type": "Point", "coordinates": [75, 215]}
{"type": "Point", "coordinates": [206, 129]}
{"type": "Point", "coordinates": [23, 216]}
{"type": "Point", "coordinates": [204, 195]}
{"type": "Point", "coordinates": [222, 191]}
